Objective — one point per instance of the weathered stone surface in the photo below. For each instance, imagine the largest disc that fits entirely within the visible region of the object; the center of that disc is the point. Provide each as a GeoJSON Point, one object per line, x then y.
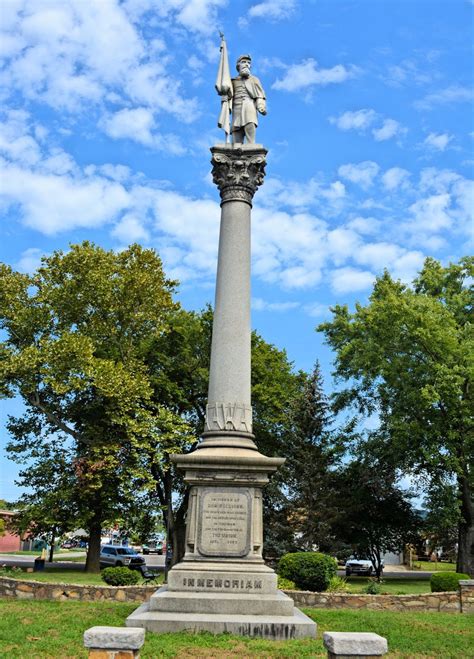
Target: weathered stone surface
{"type": "Point", "coordinates": [40, 590]}
{"type": "Point", "coordinates": [115, 638]}
{"type": "Point", "coordinates": [272, 627]}
{"type": "Point", "coordinates": [355, 643]}
{"type": "Point", "coordinates": [220, 577]}
{"type": "Point", "coordinates": [444, 602]}
{"type": "Point", "coordinates": [466, 594]}
{"type": "Point", "coordinates": [277, 604]}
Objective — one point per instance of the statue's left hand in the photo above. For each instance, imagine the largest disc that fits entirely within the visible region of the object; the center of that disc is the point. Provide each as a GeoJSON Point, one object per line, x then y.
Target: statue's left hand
{"type": "Point", "coordinates": [261, 107]}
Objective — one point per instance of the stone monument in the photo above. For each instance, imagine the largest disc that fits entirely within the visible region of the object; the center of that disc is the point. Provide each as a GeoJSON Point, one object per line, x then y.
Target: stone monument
{"type": "Point", "coordinates": [222, 584]}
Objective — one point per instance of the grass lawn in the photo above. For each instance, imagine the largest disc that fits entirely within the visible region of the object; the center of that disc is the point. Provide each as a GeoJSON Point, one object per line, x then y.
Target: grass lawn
{"type": "Point", "coordinates": [55, 629]}
{"type": "Point", "coordinates": [53, 575]}
{"type": "Point", "coordinates": [392, 586]}
{"type": "Point", "coordinates": [428, 566]}
{"type": "Point", "coordinates": [33, 553]}
{"type": "Point", "coordinates": [72, 559]}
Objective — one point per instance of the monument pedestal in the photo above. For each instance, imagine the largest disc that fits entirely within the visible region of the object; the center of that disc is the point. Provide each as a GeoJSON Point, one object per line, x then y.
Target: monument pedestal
{"type": "Point", "coordinates": [222, 583]}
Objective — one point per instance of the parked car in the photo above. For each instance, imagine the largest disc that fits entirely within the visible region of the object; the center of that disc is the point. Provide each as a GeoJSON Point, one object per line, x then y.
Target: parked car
{"type": "Point", "coordinates": [112, 556]}
{"type": "Point", "coordinates": [359, 566]}
{"type": "Point", "coordinates": [153, 548]}
{"type": "Point", "coordinates": [69, 544]}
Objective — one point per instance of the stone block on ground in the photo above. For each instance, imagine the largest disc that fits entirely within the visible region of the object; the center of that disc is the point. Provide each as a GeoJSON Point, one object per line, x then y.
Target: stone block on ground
{"type": "Point", "coordinates": [114, 638]}
{"type": "Point", "coordinates": [354, 644]}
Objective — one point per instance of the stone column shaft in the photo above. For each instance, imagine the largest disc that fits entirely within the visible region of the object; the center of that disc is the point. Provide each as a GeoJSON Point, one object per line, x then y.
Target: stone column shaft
{"type": "Point", "coordinates": [229, 375]}
{"type": "Point", "coordinates": [237, 171]}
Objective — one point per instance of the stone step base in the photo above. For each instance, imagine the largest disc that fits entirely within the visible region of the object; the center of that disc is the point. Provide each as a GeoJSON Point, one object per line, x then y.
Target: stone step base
{"type": "Point", "coordinates": [223, 603]}
{"type": "Point", "coordinates": [272, 627]}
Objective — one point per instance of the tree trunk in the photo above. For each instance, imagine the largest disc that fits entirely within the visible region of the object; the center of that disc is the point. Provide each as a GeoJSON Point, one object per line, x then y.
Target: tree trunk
{"type": "Point", "coordinates": [93, 551]}
{"type": "Point", "coordinates": [179, 530]}
{"type": "Point", "coordinates": [465, 561]}
{"type": "Point", "coordinates": [51, 548]}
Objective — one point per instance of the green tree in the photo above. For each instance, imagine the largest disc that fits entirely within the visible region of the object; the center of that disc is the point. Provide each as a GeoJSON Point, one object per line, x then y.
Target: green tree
{"type": "Point", "coordinates": [408, 356]}
{"type": "Point", "coordinates": [304, 501]}
{"type": "Point", "coordinates": [75, 332]}
{"type": "Point", "coordinates": [2, 527]}
{"type": "Point", "coordinates": [375, 514]}
{"type": "Point", "coordinates": [442, 517]}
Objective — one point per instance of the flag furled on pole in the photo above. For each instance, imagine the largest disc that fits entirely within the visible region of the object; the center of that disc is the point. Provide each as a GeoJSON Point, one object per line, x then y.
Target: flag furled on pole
{"type": "Point", "coordinates": [224, 89]}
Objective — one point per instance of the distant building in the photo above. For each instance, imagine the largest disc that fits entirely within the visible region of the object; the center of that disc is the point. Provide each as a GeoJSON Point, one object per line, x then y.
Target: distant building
{"type": "Point", "coordinates": [10, 541]}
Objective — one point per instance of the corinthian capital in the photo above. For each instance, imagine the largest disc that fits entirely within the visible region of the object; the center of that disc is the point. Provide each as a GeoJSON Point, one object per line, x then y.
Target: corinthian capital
{"type": "Point", "coordinates": [238, 171]}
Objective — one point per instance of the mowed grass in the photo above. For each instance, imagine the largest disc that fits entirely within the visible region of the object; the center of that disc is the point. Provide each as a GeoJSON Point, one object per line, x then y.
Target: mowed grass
{"type": "Point", "coordinates": [72, 576]}
{"type": "Point", "coordinates": [55, 629]}
{"type": "Point", "coordinates": [402, 586]}
{"type": "Point", "coordinates": [434, 566]}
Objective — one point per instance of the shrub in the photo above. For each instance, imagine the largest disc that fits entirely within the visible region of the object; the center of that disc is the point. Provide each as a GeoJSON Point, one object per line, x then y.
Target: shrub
{"type": "Point", "coordinates": [120, 576]}
{"type": "Point", "coordinates": [7, 571]}
{"type": "Point", "coordinates": [309, 570]}
{"type": "Point", "coordinates": [338, 585]}
{"type": "Point", "coordinates": [285, 584]}
{"type": "Point", "coordinates": [446, 581]}
{"type": "Point", "coordinates": [373, 587]}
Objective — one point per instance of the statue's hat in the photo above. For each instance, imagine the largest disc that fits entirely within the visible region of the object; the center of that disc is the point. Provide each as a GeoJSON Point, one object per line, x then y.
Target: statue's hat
{"type": "Point", "coordinates": [244, 57]}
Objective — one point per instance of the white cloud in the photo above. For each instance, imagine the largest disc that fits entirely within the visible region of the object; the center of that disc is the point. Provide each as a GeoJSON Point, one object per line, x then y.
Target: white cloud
{"type": "Point", "coordinates": [362, 173]}
{"type": "Point", "coordinates": [364, 225]}
{"type": "Point", "coordinates": [73, 55]}
{"type": "Point", "coordinates": [401, 263]}
{"type": "Point", "coordinates": [317, 310]}
{"type": "Point", "coordinates": [447, 96]}
{"type": "Point", "coordinates": [341, 244]}
{"type": "Point", "coordinates": [395, 177]}
{"type": "Point", "coordinates": [350, 280]}
{"type": "Point", "coordinates": [444, 206]}
{"type": "Point", "coordinates": [432, 213]}
{"type": "Point", "coordinates": [30, 260]}
{"type": "Point", "coordinates": [274, 10]}
{"type": "Point", "coordinates": [301, 195]}
{"type": "Point", "coordinates": [390, 128]}
{"type": "Point", "coordinates": [357, 120]}
{"type": "Point", "coordinates": [437, 141]}
{"type": "Point", "coordinates": [52, 203]}
{"type": "Point", "coordinates": [130, 229]}
{"type": "Point", "coordinates": [407, 72]}
{"type": "Point", "coordinates": [196, 15]}
{"type": "Point", "coordinates": [361, 120]}
{"type": "Point", "coordinates": [258, 304]}
{"type": "Point", "coordinates": [15, 142]}
{"type": "Point", "coordinates": [138, 124]}
{"type": "Point", "coordinates": [306, 74]}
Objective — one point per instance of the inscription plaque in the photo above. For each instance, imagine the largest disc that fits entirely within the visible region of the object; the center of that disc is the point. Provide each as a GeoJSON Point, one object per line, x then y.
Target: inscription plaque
{"type": "Point", "coordinates": [224, 522]}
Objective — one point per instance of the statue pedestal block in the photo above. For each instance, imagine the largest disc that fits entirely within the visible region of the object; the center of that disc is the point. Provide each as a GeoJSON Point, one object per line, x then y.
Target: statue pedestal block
{"type": "Point", "coordinates": [222, 584]}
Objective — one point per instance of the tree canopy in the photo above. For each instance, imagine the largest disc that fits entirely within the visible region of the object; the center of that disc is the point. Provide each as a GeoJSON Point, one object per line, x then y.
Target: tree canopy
{"type": "Point", "coordinates": [75, 332]}
{"type": "Point", "coordinates": [407, 355]}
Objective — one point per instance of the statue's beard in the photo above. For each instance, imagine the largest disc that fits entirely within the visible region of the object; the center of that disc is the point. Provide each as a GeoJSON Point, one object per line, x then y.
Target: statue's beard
{"type": "Point", "coordinates": [245, 72]}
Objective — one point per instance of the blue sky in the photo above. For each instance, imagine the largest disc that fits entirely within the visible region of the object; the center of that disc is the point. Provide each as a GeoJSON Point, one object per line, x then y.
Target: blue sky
{"type": "Point", "coordinates": [109, 110]}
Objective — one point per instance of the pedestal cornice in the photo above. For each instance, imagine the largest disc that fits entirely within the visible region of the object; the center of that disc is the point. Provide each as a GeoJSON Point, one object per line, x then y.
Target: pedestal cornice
{"type": "Point", "coordinates": [238, 170]}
